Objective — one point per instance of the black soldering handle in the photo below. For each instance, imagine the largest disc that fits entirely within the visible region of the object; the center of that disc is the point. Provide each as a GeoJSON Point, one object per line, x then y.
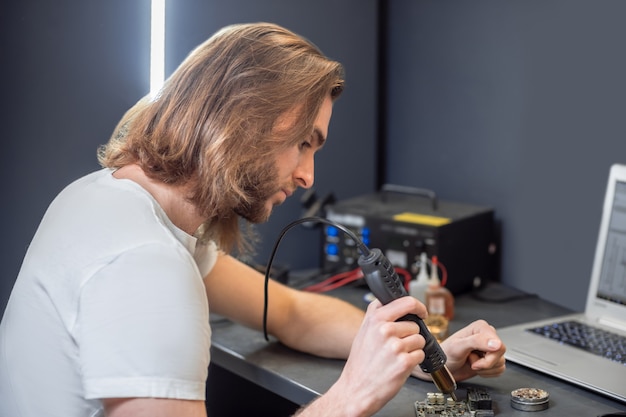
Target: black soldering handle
{"type": "Point", "coordinates": [386, 285]}
{"type": "Point", "coordinates": [435, 357]}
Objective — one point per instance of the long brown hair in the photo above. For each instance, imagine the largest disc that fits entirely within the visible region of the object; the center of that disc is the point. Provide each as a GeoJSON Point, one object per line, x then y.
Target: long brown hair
{"type": "Point", "coordinates": [211, 123]}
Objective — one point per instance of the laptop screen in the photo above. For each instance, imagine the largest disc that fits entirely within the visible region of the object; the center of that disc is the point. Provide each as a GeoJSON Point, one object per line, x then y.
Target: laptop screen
{"type": "Point", "coordinates": [612, 284]}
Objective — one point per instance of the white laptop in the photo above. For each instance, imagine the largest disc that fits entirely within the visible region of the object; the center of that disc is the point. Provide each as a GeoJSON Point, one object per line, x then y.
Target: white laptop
{"type": "Point", "coordinates": [605, 309]}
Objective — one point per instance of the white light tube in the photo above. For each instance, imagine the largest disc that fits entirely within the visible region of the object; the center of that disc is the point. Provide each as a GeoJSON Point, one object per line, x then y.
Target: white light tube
{"type": "Point", "coordinates": [157, 46]}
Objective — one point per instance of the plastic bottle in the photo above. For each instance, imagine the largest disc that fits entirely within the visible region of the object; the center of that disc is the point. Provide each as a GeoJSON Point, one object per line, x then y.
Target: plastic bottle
{"type": "Point", "coordinates": [418, 286]}
{"type": "Point", "coordinates": [439, 300]}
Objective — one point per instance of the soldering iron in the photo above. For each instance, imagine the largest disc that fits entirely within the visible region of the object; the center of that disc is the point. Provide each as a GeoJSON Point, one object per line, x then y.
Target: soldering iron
{"type": "Point", "coordinates": [386, 285]}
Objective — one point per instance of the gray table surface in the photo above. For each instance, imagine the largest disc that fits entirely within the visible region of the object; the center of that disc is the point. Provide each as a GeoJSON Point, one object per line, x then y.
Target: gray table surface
{"type": "Point", "coordinates": [300, 377]}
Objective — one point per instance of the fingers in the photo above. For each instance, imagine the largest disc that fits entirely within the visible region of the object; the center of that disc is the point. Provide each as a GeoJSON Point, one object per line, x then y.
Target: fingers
{"type": "Point", "coordinates": [475, 350]}
{"type": "Point", "coordinates": [406, 333]}
{"type": "Point", "coordinates": [401, 336]}
{"type": "Point", "coordinates": [491, 362]}
{"type": "Point", "coordinates": [384, 349]}
{"type": "Point", "coordinates": [398, 308]}
{"type": "Point", "coordinates": [488, 364]}
{"type": "Point", "coordinates": [493, 371]}
{"type": "Point", "coordinates": [480, 336]}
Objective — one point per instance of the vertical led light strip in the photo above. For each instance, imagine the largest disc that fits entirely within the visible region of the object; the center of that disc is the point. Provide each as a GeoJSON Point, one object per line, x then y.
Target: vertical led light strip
{"type": "Point", "coordinates": [157, 46]}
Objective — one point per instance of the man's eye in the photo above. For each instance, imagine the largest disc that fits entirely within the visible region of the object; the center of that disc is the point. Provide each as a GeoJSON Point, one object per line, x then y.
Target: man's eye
{"type": "Point", "coordinates": [305, 145]}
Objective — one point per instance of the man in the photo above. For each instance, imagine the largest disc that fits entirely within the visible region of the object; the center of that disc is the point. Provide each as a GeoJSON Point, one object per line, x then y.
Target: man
{"type": "Point", "coordinates": [110, 312]}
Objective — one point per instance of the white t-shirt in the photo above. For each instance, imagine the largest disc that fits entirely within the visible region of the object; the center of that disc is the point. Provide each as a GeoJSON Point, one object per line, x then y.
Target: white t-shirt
{"type": "Point", "coordinates": [109, 302]}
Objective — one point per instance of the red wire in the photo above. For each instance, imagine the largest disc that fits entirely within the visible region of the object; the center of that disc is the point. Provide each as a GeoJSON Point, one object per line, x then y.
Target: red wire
{"type": "Point", "coordinates": [343, 278]}
{"type": "Point", "coordinates": [407, 277]}
{"type": "Point", "coordinates": [347, 277]}
{"type": "Point", "coordinates": [444, 274]}
{"type": "Point", "coordinates": [336, 281]}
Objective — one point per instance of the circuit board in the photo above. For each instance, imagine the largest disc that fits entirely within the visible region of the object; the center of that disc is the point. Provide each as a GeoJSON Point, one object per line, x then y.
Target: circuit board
{"type": "Point", "coordinates": [476, 404]}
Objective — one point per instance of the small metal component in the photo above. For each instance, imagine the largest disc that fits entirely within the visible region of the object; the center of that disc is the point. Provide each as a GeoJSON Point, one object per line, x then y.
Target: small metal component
{"type": "Point", "coordinates": [479, 400]}
{"type": "Point", "coordinates": [436, 404]}
{"type": "Point", "coordinates": [530, 399]}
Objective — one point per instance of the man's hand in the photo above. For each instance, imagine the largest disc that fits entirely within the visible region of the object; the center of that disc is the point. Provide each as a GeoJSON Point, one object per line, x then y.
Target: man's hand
{"type": "Point", "coordinates": [474, 350]}
{"type": "Point", "coordinates": [383, 355]}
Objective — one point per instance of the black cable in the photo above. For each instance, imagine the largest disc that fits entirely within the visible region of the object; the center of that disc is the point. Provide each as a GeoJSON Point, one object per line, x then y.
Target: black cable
{"type": "Point", "coordinates": [361, 246]}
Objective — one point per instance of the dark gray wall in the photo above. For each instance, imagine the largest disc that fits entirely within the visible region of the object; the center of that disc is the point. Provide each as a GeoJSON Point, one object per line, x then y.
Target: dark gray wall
{"type": "Point", "coordinates": [71, 68]}
{"type": "Point", "coordinates": [518, 105]}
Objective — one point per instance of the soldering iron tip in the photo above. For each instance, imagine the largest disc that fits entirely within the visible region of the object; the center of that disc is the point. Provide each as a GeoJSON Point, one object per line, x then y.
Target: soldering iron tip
{"type": "Point", "coordinates": [453, 395]}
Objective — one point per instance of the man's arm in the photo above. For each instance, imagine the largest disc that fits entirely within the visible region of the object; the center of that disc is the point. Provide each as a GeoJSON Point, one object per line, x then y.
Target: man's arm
{"type": "Point", "coordinates": [382, 351]}
{"type": "Point", "coordinates": [326, 326]}
{"type": "Point", "coordinates": [309, 322]}
{"type": "Point", "coordinates": [152, 407]}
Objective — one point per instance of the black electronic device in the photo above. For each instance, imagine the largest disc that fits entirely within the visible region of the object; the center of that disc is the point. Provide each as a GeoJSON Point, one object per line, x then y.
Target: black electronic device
{"type": "Point", "coordinates": [405, 222]}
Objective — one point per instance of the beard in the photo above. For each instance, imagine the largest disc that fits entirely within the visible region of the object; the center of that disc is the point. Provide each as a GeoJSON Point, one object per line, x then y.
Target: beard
{"type": "Point", "coordinates": [259, 189]}
{"type": "Point", "coordinates": [254, 211]}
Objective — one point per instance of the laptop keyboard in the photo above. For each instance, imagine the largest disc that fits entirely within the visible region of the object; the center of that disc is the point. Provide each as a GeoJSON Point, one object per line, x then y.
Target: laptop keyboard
{"type": "Point", "coordinates": [597, 341]}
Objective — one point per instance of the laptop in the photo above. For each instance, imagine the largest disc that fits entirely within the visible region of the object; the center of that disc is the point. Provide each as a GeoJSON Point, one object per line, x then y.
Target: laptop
{"type": "Point", "coordinates": [536, 344]}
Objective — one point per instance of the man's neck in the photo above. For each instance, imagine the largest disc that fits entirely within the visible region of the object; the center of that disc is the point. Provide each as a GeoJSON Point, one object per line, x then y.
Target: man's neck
{"type": "Point", "coordinates": [172, 199]}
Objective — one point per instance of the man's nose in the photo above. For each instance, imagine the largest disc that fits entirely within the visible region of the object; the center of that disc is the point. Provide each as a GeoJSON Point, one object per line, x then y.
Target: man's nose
{"type": "Point", "coordinates": [305, 172]}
